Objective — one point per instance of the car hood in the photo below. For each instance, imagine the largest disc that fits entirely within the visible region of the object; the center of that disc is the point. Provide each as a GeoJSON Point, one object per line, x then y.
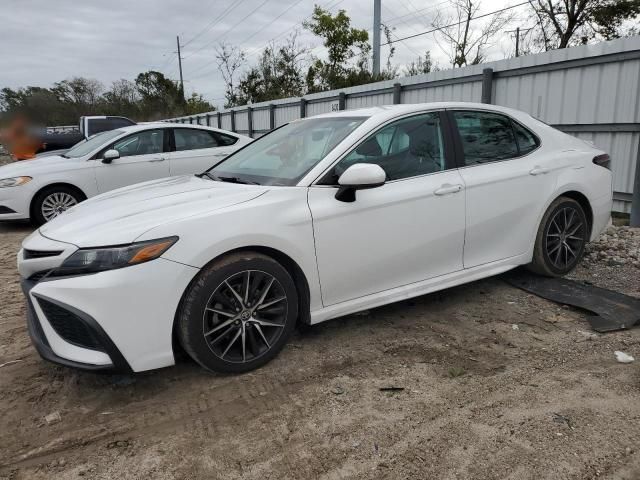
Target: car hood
{"type": "Point", "coordinates": [34, 166]}
{"type": "Point", "coordinates": [123, 215]}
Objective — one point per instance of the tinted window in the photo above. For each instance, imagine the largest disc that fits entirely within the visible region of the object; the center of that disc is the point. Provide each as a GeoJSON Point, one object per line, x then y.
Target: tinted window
{"type": "Point", "coordinates": [224, 140]}
{"type": "Point", "coordinates": [527, 141]}
{"type": "Point", "coordinates": [486, 137]}
{"type": "Point", "coordinates": [406, 148]}
{"type": "Point", "coordinates": [141, 143]}
{"type": "Point", "coordinates": [83, 148]}
{"type": "Point", "coordinates": [192, 139]}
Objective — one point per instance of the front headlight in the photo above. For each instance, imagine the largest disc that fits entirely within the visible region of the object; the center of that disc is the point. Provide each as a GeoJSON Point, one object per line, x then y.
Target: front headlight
{"type": "Point", "coordinates": [14, 182]}
{"type": "Point", "coordinates": [93, 260]}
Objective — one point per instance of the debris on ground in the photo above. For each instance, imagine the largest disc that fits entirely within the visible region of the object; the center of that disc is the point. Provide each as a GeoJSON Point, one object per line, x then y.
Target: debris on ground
{"type": "Point", "coordinates": [338, 390]}
{"type": "Point", "coordinates": [588, 335]}
{"type": "Point", "coordinates": [456, 372]}
{"type": "Point", "coordinates": [53, 418]}
{"type": "Point", "coordinates": [11, 362]}
{"type": "Point", "coordinates": [562, 420]}
{"type": "Point", "coordinates": [623, 357]}
{"type": "Point", "coordinates": [617, 246]}
{"type": "Point", "coordinates": [515, 327]}
{"type": "Point", "coordinates": [391, 389]}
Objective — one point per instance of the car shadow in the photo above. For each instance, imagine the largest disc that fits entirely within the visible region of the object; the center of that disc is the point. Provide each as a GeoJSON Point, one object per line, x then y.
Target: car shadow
{"type": "Point", "coordinates": [16, 227]}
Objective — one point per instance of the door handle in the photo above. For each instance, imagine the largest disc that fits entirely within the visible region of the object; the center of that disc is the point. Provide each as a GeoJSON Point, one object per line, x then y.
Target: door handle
{"type": "Point", "coordinates": [538, 170]}
{"type": "Point", "coordinates": [161, 159]}
{"type": "Point", "coordinates": [446, 189]}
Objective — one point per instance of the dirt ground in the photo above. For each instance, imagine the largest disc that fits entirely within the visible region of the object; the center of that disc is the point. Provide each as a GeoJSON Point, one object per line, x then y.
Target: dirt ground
{"type": "Point", "coordinates": [480, 398]}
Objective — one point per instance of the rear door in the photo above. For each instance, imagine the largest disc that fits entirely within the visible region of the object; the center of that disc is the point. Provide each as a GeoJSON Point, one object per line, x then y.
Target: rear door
{"type": "Point", "coordinates": [142, 158]}
{"type": "Point", "coordinates": [196, 150]}
{"type": "Point", "coordinates": [508, 181]}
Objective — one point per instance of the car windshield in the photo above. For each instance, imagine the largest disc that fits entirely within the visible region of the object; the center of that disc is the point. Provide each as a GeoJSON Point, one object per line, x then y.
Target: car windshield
{"type": "Point", "coordinates": [285, 155]}
{"type": "Point", "coordinates": [84, 147]}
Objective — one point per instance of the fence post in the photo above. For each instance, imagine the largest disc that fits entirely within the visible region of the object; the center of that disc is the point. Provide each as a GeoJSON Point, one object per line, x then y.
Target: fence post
{"type": "Point", "coordinates": [233, 121]}
{"type": "Point", "coordinates": [303, 107]}
{"type": "Point", "coordinates": [342, 101]}
{"type": "Point", "coordinates": [208, 119]}
{"type": "Point", "coordinates": [250, 121]}
{"type": "Point", "coordinates": [272, 116]}
{"type": "Point", "coordinates": [634, 219]}
{"type": "Point", "coordinates": [397, 90]}
{"type": "Point", "coordinates": [487, 84]}
{"type": "Point", "coordinates": [219, 115]}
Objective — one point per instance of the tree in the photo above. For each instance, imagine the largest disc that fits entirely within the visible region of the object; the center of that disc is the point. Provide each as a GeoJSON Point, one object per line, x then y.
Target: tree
{"type": "Point", "coordinates": [160, 97]}
{"type": "Point", "coordinates": [229, 59]}
{"type": "Point", "coordinates": [348, 52]}
{"type": "Point", "coordinates": [122, 98]}
{"type": "Point", "coordinates": [278, 74]}
{"type": "Point", "coordinates": [464, 43]}
{"type": "Point", "coordinates": [196, 104]}
{"type": "Point", "coordinates": [420, 66]}
{"type": "Point", "coordinates": [562, 23]}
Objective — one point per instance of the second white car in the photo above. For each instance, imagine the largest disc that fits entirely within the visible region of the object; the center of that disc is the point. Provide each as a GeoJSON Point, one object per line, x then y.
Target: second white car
{"type": "Point", "coordinates": [42, 188]}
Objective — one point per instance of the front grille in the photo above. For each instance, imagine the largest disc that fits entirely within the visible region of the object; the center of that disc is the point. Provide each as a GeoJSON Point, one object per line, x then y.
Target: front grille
{"type": "Point", "coordinates": [29, 254]}
{"type": "Point", "coordinates": [36, 277]}
{"type": "Point", "coordinates": [4, 209]}
{"type": "Point", "coordinates": [70, 326]}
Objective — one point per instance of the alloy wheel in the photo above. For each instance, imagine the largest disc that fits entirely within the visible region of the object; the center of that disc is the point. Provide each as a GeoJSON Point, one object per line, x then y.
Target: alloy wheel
{"type": "Point", "coordinates": [56, 203]}
{"type": "Point", "coordinates": [245, 316]}
{"type": "Point", "coordinates": [565, 237]}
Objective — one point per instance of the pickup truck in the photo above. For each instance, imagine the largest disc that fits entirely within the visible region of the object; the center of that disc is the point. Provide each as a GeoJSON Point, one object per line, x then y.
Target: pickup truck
{"type": "Point", "coordinates": [60, 138]}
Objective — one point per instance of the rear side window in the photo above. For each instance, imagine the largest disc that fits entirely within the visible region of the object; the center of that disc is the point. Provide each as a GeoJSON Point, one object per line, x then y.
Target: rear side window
{"type": "Point", "coordinates": [192, 139]}
{"type": "Point", "coordinates": [224, 140]}
{"type": "Point", "coordinates": [527, 141]}
{"type": "Point", "coordinates": [486, 137]}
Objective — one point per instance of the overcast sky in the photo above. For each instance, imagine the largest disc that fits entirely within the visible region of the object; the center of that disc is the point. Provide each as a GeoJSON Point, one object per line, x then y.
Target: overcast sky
{"type": "Point", "coordinates": [44, 41]}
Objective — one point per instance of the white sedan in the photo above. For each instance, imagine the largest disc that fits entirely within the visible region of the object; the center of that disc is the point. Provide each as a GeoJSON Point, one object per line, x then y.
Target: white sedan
{"type": "Point", "coordinates": [321, 218]}
{"type": "Point", "coordinates": [42, 188]}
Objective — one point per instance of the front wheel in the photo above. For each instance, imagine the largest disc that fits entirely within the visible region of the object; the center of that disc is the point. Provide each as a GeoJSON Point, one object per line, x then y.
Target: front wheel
{"type": "Point", "coordinates": [238, 313]}
{"type": "Point", "coordinates": [561, 239]}
{"type": "Point", "coordinates": [53, 201]}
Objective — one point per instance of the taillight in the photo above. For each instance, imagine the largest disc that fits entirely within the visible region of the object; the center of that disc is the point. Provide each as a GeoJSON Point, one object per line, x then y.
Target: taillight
{"type": "Point", "coordinates": [603, 160]}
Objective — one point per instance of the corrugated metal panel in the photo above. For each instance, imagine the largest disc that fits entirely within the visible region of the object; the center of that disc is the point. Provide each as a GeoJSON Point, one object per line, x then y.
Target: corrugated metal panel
{"type": "Point", "coordinates": [226, 121]}
{"type": "Point", "coordinates": [372, 100]}
{"type": "Point", "coordinates": [316, 108]}
{"type": "Point", "coordinates": [261, 119]}
{"type": "Point", "coordinates": [284, 114]}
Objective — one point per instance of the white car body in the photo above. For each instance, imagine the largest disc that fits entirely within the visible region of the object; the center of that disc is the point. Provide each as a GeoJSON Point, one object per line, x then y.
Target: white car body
{"type": "Point", "coordinates": [90, 176]}
{"type": "Point", "coordinates": [406, 238]}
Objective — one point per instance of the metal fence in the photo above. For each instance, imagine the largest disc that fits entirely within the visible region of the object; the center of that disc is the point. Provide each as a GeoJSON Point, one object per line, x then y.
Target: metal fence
{"type": "Point", "coordinates": [590, 91]}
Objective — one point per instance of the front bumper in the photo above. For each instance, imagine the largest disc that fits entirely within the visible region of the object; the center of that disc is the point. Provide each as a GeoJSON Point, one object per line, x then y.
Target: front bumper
{"type": "Point", "coordinates": [115, 320]}
{"type": "Point", "coordinates": [14, 203]}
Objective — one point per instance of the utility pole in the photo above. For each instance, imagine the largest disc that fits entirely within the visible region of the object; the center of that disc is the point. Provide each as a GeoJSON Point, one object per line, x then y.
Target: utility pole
{"type": "Point", "coordinates": [517, 41]}
{"type": "Point", "coordinates": [180, 67]}
{"type": "Point", "coordinates": [377, 6]}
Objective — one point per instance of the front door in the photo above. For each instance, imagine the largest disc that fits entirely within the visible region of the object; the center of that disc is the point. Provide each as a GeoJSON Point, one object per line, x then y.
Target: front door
{"type": "Point", "coordinates": [142, 158]}
{"type": "Point", "coordinates": [408, 230]}
{"type": "Point", "coordinates": [196, 150]}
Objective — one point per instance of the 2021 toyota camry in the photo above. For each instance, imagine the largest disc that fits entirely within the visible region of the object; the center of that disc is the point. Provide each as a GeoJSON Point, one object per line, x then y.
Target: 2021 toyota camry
{"type": "Point", "coordinates": [322, 217]}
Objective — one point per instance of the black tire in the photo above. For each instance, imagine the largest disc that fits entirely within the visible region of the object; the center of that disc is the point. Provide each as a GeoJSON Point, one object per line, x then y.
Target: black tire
{"type": "Point", "coordinates": [202, 331]}
{"type": "Point", "coordinates": [38, 216]}
{"type": "Point", "coordinates": [555, 258]}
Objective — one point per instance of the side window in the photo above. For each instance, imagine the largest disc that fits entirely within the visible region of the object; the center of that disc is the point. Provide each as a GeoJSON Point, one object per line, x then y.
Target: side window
{"type": "Point", "coordinates": [224, 140]}
{"type": "Point", "coordinates": [527, 141]}
{"type": "Point", "coordinates": [406, 148]}
{"type": "Point", "coordinates": [192, 139]}
{"type": "Point", "coordinates": [140, 143]}
{"type": "Point", "coordinates": [486, 137]}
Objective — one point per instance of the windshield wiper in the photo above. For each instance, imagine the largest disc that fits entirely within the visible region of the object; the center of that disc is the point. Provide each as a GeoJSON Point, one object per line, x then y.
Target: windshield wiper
{"type": "Point", "coordinates": [230, 179]}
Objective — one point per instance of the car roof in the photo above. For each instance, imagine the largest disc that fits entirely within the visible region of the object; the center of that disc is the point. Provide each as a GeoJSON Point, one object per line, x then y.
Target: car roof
{"type": "Point", "coordinates": [148, 125]}
{"type": "Point", "coordinates": [389, 111]}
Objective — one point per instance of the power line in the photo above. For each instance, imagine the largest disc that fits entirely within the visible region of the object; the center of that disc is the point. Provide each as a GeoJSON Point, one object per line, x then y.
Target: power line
{"type": "Point", "coordinates": [426, 9]}
{"type": "Point", "coordinates": [214, 22]}
{"type": "Point", "coordinates": [458, 23]}
{"type": "Point", "coordinates": [294, 4]}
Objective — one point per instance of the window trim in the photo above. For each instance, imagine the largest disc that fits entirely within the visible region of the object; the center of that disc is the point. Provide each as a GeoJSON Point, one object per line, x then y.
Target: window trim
{"type": "Point", "coordinates": [100, 153]}
{"type": "Point", "coordinates": [459, 149]}
{"type": "Point", "coordinates": [447, 136]}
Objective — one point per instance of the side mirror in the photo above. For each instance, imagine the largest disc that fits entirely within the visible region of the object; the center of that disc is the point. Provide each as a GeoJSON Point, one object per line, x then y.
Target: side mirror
{"type": "Point", "coordinates": [110, 155]}
{"type": "Point", "coordinates": [359, 176]}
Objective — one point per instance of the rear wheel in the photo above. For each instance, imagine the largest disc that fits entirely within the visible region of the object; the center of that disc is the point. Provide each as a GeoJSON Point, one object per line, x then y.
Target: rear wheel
{"type": "Point", "coordinates": [239, 313]}
{"type": "Point", "coordinates": [561, 240]}
{"type": "Point", "coordinates": [53, 201]}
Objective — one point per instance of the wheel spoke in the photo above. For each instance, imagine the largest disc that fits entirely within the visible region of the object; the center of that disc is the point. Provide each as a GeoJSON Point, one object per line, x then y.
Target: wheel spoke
{"type": "Point", "coordinates": [264, 339]}
{"type": "Point", "coordinates": [235, 294]}
{"type": "Point", "coordinates": [244, 343]}
{"type": "Point", "coordinates": [262, 306]}
{"type": "Point", "coordinates": [219, 327]}
{"type": "Point", "coordinates": [570, 250]}
{"type": "Point", "coordinates": [266, 291]}
{"type": "Point", "coordinates": [246, 287]}
{"type": "Point", "coordinates": [221, 312]}
{"type": "Point", "coordinates": [231, 342]}
{"type": "Point", "coordinates": [265, 323]}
